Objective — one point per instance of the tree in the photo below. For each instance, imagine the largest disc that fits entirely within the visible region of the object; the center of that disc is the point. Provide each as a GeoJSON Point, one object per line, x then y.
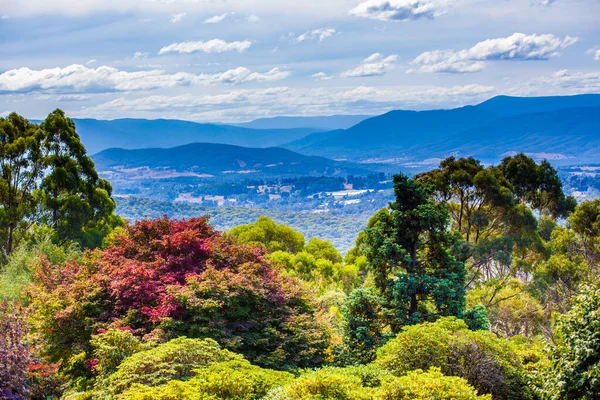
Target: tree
{"type": "Point", "coordinates": [361, 327]}
{"type": "Point", "coordinates": [492, 208]}
{"type": "Point", "coordinates": [585, 222]}
{"type": "Point", "coordinates": [272, 236]}
{"type": "Point", "coordinates": [79, 203]}
{"type": "Point", "coordinates": [538, 185]}
{"type": "Point", "coordinates": [408, 249]}
{"type": "Point", "coordinates": [167, 278]}
{"type": "Point", "coordinates": [46, 176]}
{"type": "Point", "coordinates": [21, 165]}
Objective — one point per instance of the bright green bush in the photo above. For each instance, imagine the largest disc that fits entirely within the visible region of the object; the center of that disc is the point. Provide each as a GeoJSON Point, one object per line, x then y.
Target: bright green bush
{"type": "Point", "coordinates": [174, 360]}
{"type": "Point", "coordinates": [174, 390]}
{"type": "Point", "coordinates": [431, 385]}
{"type": "Point", "coordinates": [230, 380]}
{"type": "Point", "coordinates": [239, 380]}
{"type": "Point", "coordinates": [325, 383]}
{"type": "Point", "coordinates": [490, 364]}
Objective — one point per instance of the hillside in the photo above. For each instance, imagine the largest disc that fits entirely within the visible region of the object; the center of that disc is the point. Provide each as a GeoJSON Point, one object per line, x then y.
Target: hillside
{"type": "Point", "coordinates": [561, 135]}
{"type": "Point", "coordinates": [328, 123]}
{"type": "Point", "coordinates": [394, 133]}
{"type": "Point", "coordinates": [218, 159]}
{"type": "Point", "coordinates": [98, 135]}
{"type": "Point", "coordinates": [487, 130]}
{"type": "Point", "coordinates": [509, 105]}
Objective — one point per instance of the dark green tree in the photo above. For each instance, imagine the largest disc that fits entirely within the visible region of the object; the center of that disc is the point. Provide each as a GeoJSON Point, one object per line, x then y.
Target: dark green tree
{"type": "Point", "coordinates": [362, 328]}
{"type": "Point", "coordinates": [585, 222]}
{"type": "Point", "coordinates": [408, 248]}
{"type": "Point", "coordinates": [538, 185]}
{"type": "Point", "coordinates": [21, 166]}
{"type": "Point", "coordinates": [78, 202]}
{"type": "Point", "coordinates": [46, 176]}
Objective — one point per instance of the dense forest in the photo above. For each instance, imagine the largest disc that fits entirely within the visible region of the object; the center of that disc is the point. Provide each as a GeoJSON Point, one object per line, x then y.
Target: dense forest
{"type": "Point", "coordinates": [476, 282]}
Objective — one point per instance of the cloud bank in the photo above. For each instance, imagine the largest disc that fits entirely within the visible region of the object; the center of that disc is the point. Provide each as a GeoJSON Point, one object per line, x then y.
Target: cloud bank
{"type": "Point", "coordinates": [518, 46]}
{"type": "Point", "coordinates": [211, 46]}
{"type": "Point", "coordinates": [80, 79]}
{"type": "Point", "coordinates": [401, 10]}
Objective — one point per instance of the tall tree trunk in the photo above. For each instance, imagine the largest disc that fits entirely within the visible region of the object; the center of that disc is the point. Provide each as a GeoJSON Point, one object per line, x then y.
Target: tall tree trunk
{"type": "Point", "coordinates": [9, 242]}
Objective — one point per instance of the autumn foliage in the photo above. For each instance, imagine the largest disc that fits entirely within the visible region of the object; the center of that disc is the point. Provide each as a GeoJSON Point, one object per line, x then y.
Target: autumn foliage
{"type": "Point", "coordinates": [167, 278]}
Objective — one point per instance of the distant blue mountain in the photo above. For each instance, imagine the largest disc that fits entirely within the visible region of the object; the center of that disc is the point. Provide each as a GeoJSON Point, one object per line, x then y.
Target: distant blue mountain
{"type": "Point", "coordinates": [98, 135]}
{"type": "Point", "coordinates": [567, 126]}
{"type": "Point", "coordinates": [219, 159]}
{"type": "Point", "coordinates": [393, 133]}
{"type": "Point", "coordinates": [508, 105]}
{"type": "Point", "coordinates": [328, 123]}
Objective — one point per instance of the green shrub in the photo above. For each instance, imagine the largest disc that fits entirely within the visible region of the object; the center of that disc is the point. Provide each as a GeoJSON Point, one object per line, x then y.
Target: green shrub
{"type": "Point", "coordinates": [325, 383]}
{"type": "Point", "coordinates": [174, 360]}
{"type": "Point", "coordinates": [431, 385]}
{"type": "Point", "coordinates": [490, 364]}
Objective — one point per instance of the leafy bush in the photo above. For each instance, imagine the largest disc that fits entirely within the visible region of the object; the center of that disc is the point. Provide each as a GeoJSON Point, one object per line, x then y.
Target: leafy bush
{"type": "Point", "coordinates": [490, 364]}
{"type": "Point", "coordinates": [325, 383]}
{"type": "Point", "coordinates": [14, 353]}
{"type": "Point", "coordinates": [575, 360]}
{"type": "Point", "coordinates": [40, 241]}
{"type": "Point", "coordinates": [174, 360]}
{"type": "Point", "coordinates": [230, 380]}
{"type": "Point", "coordinates": [431, 385]}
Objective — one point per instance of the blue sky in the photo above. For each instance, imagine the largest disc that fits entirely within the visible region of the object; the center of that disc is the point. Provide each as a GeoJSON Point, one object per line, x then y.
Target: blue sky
{"type": "Point", "coordinates": [236, 60]}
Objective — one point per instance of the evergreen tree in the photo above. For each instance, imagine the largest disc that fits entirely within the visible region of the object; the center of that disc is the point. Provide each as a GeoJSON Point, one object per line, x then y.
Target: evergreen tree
{"type": "Point", "coordinates": [21, 165]}
{"type": "Point", "coordinates": [362, 329]}
{"type": "Point", "coordinates": [78, 202]}
{"type": "Point", "coordinates": [408, 249]}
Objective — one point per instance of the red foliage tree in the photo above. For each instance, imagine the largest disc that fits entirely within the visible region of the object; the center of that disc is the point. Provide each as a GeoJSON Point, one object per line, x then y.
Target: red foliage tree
{"type": "Point", "coordinates": [166, 278]}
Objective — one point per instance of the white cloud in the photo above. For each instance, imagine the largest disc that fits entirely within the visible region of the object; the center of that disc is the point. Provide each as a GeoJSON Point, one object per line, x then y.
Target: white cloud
{"type": "Point", "coordinates": [560, 83]}
{"type": "Point", "coordinates": [595, 52]}
{"type": "Point", "coordinates": [63, 97]}
{"type": "Point", "coordinates": [320, 34]}
{"type": "Point", "coordinates": [518, 46]}
{"type": "Point", "coordinates": [575, 82]}
{"type": "Point", "coordinates": [211, 46]}
{"type": "Point", "coordinates": [321, 76]}
{"type": "Point", "coordinates": [252, 18]}
{"type": "Point", "coordinates": [92, 61]}
{"type": "Point", "coordinates": [215, 19]}
{"type": "Point", "coordinates": [80, 79]}
{"type": "Point", "coordinates": [240, 105]}
{"type": "Point", "coordinates": [401, 10]}
{"type": "Point", "coordinates": [374, 65]}
{"type": "Point", "coordinates": [177, 17]}
{"type": "Point", "coordinates": [543, 2]}
{"type": "Point", "coordinates": [139, 55]}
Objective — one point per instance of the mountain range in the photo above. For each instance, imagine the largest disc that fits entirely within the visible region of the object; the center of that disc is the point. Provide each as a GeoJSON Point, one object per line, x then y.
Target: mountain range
{"type": "Point", "coordinates": [561, 128]}
{"type": "Point", "coordinates": [565, 129]}
{"type": "Point", "coordinates": [203, 159]}
{"type": "Point", "coordinates": [328, 123]}
{"type": "Point", "coordinates": [98, 135]}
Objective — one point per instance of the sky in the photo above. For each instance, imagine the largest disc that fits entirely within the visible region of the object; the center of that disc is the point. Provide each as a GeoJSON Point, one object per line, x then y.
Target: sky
{"type": "Point", "coordinates": [238, 60]}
